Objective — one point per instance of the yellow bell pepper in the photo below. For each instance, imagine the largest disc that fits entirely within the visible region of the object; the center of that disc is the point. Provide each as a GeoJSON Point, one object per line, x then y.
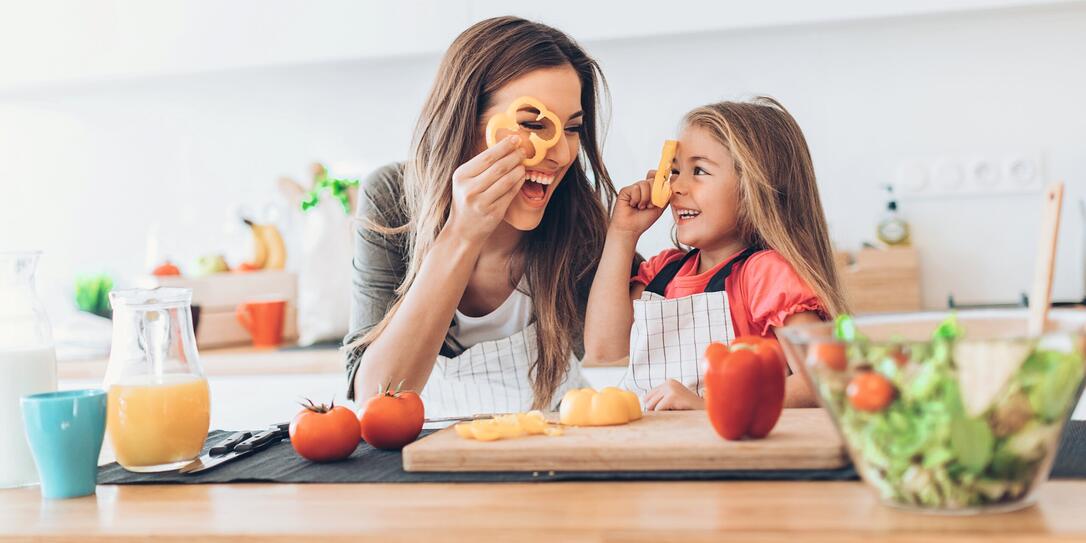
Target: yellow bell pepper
{"type": "Point", "coordinates": [609, 406]}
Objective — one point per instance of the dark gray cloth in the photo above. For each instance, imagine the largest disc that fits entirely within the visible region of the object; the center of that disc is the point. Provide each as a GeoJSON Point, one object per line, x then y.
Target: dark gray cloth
{"type": "Point", "coordinates": [279, 464]}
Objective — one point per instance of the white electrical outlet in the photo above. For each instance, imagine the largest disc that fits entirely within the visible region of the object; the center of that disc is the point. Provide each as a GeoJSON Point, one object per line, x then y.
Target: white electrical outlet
{"type": "Point", "coordinates": [984, 174]}
{"type": "Point", "coordinates": [948, 176]}
{"type": "Point", "coordinates": [912, 178]}
{"type": "Point", "coordinates": [1023, 171]}
{"type": "Point", "coordinates": [972, 175]}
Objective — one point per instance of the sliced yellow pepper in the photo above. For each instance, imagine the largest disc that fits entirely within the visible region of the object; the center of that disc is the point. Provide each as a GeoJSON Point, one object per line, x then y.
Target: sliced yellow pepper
{"type": "Point", "coordinates": [507, 427]}
{"type": "Point", "coordinates": [486, 430]}
{"type": "Point", "coordinates": [507, 120]}
{"type": "Point", "coordinates": [661, 184]}
{"type": "Point", "coordinates": [465, 430]}
{"type": "Point", "coordinates": [533, 423]}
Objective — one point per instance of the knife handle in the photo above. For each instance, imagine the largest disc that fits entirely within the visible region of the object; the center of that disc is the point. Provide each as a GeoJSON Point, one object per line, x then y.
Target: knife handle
{"type": "Point", "coordinates": [229, 443]}
{"type": "Point", "coordinates": [259, 440]}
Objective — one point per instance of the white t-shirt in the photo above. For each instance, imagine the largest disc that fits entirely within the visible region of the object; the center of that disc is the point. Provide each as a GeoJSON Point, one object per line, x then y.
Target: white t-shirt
{"type": "Point", "coordinates": [507, 319]}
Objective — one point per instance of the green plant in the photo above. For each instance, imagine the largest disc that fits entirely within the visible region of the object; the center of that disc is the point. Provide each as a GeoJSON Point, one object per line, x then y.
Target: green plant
{"type": "Point", "coordinates": [92, 294]}
{"type": "Point", "coordinates": [338, 188]}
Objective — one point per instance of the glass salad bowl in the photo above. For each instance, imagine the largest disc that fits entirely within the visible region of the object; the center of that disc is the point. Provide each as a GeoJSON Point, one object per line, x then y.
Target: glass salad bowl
{"type": "Point", "coordinates": [946, 412]}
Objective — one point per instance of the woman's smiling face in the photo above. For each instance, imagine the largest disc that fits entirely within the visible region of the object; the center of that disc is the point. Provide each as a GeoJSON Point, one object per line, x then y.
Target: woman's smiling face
{"type": "Point", "coordinates": [559, 89]}
{"type": "Point", "coordinates": [705, 187]}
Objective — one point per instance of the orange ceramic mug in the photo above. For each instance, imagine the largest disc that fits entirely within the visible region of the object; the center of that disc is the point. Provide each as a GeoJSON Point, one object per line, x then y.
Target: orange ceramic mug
{"type": "Point", "coordinates": [264, 321]}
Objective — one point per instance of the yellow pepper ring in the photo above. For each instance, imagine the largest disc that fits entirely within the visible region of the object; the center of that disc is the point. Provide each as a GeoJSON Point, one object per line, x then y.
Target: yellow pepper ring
{"type": "Point", "coordinates": [661, 184]}
{"type": "Point", "coordinates": [508, 120]}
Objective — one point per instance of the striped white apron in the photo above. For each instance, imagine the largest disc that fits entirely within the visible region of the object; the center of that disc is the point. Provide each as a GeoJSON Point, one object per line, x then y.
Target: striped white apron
{"type": "Point", "coordinates": [490, 377]}
{"type": "Point", "coordinates": [669, 336]}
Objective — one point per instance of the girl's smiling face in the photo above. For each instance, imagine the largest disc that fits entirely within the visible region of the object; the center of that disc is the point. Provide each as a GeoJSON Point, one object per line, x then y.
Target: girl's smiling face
{"type": "Point", "coordinates": [705, 191]}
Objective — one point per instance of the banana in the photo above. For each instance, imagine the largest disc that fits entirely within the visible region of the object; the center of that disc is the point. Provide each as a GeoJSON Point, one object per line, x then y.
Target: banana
{"type": "Point", "coordinates": [276, 249]}
{"type": "Point", "coordinates": [260, 247]}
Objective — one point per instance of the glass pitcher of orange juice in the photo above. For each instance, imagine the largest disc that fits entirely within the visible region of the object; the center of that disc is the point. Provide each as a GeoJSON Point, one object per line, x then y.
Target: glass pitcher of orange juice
{"type": "Point", "coordinates": [159, 405]}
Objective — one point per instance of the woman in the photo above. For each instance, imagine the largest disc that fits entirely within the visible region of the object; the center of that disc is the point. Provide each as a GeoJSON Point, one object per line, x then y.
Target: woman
{"type": "Point", "coordinates": [472, 270]}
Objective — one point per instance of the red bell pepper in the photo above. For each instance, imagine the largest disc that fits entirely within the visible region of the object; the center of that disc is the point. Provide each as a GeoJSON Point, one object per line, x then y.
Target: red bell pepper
{"type": "Point", "coordinates": [744, 387]}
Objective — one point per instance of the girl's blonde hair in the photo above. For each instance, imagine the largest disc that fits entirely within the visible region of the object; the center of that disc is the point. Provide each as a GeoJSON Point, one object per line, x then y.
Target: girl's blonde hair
{"type": "Point", "coordinates": [559, 256]}
{"type": "Point", "coordinates": [779, 206]}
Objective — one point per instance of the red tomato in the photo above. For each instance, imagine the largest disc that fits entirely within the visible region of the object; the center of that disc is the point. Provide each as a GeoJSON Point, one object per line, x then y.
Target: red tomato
{"type": "Point", "coordinates": [166, 269]}
{"type": "Point", "coordinates": [870, 391]}
{"type": "Point", "coordinates": [392, 419]}
{"type": "Point", "coordinates": [324, 434]}
{"type": "Point", "coordinates": [829, 354]}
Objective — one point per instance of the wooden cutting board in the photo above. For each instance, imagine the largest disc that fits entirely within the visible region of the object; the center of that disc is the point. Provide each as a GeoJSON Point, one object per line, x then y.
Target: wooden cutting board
{"type": "Point", "coordinates": [661, 441]}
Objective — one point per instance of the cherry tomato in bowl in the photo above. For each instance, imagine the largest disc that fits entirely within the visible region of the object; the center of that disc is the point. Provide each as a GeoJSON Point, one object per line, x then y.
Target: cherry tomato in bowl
{"type": "Point", "coordinates": [870, 391]}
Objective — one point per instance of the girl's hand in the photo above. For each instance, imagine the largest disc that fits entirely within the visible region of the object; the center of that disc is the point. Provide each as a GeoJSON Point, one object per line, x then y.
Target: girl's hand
{"type": "Point", "coordinates": [483, 188]}
{"type": "Point", "coordinates": [634, 212]}
{"type": "Point", "coordinates": [673, 396]}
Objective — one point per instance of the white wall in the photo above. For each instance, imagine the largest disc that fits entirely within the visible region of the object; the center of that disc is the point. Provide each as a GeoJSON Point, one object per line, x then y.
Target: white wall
{"type": "Point", "coordinates": [871, 95]}
{"type": "Point", "coordinates": [46, 42]}
{"type": "Point", "coordinates": [86, 168]}
{"type": "Point", "coordinates": [87, 171]}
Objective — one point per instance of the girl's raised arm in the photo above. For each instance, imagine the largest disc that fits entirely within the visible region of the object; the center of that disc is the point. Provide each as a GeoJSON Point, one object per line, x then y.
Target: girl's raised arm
{"type": "Point", "coordinates": [610, 309]}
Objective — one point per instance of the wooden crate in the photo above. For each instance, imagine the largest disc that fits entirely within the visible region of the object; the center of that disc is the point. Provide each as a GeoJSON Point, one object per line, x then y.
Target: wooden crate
{"type": "Point", "coordinates": [881, 280]}
{"type": "Point", "coordinates": [219, 294]}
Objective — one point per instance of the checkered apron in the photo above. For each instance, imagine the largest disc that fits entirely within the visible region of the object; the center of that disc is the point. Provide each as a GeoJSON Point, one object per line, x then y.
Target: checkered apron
{"type": "Point", "coordinates": [490, 377]}
{"type": "Point", "coordinates": [669, 335]}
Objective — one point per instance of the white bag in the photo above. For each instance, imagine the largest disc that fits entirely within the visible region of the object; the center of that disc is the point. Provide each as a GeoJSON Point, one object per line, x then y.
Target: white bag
{"type": "Point", "coordinates": [324, 269]}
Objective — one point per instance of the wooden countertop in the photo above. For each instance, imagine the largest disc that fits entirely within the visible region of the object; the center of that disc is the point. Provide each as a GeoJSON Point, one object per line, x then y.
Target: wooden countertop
{"type": "Point", "coordinates": [790, 512]}
{"type": "Point", "coordinates": [250, 361]}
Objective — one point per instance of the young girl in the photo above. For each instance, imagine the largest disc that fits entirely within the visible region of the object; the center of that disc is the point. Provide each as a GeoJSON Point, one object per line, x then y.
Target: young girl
{"type": "Point", "coordinates": [745, 202]}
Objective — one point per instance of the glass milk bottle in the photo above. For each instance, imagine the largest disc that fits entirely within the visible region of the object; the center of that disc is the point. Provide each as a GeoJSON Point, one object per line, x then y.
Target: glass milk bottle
{"type": "Point", "coordinates": [158, 410]}
{"type": "Point", "coordinates": [28, 363]}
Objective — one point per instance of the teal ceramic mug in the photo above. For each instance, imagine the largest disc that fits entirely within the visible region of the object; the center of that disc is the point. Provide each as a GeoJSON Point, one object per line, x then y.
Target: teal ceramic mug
{"type": "Point", "coordinates": [65, 431]}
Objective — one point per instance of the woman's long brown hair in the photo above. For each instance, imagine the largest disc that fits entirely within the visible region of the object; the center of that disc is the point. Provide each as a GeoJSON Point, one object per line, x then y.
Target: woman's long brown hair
{"type": "Point", "coordinates": [559, 257]}
{"type": "Point", "coordinates": [779, 205]}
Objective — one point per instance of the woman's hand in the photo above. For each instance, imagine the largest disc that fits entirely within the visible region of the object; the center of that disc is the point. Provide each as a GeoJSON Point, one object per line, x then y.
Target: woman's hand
{"type": "Point", "coordinates": [634, 212]}
{"type": "Point", "coordinates": [483, 188]}
{"type": "Point", "coordinates": [673, 396]}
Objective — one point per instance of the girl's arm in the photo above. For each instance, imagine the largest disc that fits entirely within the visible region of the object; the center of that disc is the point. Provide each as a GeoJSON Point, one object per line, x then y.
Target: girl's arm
{"type": "Point", "coordinates": [609, 315]}
{"type": "Point", "coordinates": [796, 391]}
{"type": "Point", "coordinates": [406, 350]}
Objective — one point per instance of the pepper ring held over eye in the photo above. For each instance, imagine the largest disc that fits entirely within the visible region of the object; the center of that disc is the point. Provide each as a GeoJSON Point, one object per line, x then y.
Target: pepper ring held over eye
{"type": "Point", "coordinates": [505, 123]}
